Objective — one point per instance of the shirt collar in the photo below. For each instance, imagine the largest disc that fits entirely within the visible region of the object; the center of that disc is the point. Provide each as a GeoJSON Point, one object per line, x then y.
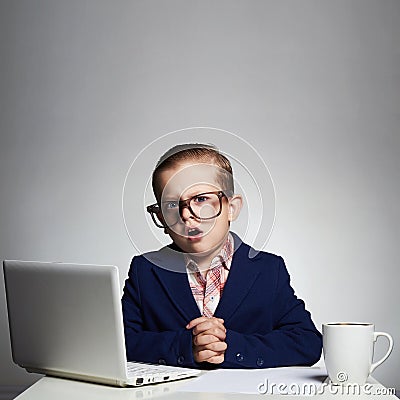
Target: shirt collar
{"type": "Point", "coordinates": [224, 257]}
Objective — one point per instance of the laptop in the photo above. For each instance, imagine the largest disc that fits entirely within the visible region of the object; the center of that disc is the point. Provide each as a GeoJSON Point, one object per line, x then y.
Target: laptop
{"type": "Point", "coordinates": [65, 320]}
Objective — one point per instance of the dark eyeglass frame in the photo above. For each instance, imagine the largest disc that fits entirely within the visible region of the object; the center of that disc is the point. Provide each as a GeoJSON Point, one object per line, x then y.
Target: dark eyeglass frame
{"type": "Point", "coordinates": [155, 208]}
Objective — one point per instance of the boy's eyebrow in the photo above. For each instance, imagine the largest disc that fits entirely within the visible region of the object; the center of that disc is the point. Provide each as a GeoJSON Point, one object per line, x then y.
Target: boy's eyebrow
{"type": "Point", "coordinates": [191, 192]}
{"type": "Point", "coordinates": [167, 199]}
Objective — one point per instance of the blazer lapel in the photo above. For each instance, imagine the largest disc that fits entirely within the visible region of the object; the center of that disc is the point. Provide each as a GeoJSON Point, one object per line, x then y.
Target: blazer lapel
{"type": "Point", "coordinates": [171, 273]}
{"type": "Point", "coordinates": [170, 270]}
{"type": "Point", "coordinates": [241, 278]}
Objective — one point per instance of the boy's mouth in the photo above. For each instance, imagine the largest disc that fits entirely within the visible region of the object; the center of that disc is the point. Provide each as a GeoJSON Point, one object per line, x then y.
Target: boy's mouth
{"type": "Point", "coordinates": [193, 233]}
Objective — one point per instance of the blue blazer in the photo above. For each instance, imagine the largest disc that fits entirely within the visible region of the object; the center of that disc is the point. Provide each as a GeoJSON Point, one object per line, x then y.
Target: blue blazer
{"type": "Point", "coordinates": [267, 325]}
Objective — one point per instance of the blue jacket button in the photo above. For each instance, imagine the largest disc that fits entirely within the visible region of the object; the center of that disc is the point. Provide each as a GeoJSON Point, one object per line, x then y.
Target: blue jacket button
{"type": "Point", "coordinates": [260, 362]}
{"type": "Point", "coordinates": [239, 357]}
{"type": "Point", "coordinates": [181, 359]}
{"type": "Point", "coordinates": [161, 361]}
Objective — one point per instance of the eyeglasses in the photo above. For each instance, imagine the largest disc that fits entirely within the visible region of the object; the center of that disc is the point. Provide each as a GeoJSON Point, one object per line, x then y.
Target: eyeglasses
{"type": "Point", "coordinates": [203, 206]}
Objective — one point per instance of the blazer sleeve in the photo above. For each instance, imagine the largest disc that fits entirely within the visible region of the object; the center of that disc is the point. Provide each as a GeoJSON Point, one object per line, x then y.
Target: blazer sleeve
{"type": "Point", "coordinates": [294, 340]}
{"type": "Point", "coordinates": [168, 347]}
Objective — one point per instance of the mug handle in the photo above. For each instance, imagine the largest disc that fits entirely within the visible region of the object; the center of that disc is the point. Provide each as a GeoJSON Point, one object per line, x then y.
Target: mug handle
{"type": "Point", "coordinates": [376, 364]}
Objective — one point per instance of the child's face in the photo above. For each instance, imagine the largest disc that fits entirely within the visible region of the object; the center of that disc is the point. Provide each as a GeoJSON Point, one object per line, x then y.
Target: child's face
{"type": "Point", "coordinates": [191, 233]}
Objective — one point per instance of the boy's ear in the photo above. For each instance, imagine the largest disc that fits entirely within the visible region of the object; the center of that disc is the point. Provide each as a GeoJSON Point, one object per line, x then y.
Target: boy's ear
{"type": "Point", "coordinates": [235, 205]}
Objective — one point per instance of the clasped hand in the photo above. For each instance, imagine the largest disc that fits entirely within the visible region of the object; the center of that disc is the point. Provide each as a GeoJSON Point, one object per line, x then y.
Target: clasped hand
{"type": "Point", "coordinates": [208, 339]}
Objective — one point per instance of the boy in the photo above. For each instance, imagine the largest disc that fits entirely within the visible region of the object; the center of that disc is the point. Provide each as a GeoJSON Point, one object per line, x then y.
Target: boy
{"type": "Point", "coordinates": [202, 302]}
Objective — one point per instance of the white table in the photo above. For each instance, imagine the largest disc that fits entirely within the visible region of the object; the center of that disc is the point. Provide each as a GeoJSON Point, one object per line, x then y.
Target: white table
{"type": "Point", "coordinates": [50, 388]}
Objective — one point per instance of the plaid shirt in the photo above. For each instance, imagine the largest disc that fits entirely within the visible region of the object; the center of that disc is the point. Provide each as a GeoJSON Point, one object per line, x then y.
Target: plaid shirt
{"type": "Point", "coordinates": [207, 290]}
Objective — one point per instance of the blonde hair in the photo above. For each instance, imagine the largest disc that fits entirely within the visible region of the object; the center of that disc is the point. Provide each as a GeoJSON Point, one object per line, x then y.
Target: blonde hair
{"type": "Point", "coordinates": [201, 153]}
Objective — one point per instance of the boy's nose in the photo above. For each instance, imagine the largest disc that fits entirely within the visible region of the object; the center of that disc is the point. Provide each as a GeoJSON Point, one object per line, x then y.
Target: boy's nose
{"type": "Point", "coordinates": [185, 213]}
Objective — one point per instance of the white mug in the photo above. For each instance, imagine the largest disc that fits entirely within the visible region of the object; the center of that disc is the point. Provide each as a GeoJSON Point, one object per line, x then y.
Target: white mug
{"type": "Point", "coordinates": [348, 350]}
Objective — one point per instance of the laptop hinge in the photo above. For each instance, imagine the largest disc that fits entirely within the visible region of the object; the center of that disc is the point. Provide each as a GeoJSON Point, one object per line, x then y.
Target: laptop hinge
{"type": "Point", "coordinates": [79, 377]}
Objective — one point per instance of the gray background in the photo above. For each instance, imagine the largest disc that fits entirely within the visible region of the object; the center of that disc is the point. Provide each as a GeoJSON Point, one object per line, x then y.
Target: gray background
{"type": "Point", "coordinates": [313, 85]}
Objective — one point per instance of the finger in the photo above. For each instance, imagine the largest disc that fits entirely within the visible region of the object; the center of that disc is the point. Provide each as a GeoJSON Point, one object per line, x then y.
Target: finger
{"type": "Point", "coordinates": [202, 339]}
{"type": "Point", "coordinates": [207, 325]}
{"type": "Point", "coordinates": [215, 346]}
{"type": "Point", "coordinates": [209, 342]}
{"type": "Point", "coordinates": [199, 320]}
{"type": "Point", "coordinates": [214, 331]}
{"type": "Point", "coordinates": [202, 326]}
{"type": "Point", "coordinates": [204, 355]}
{"type": "Point", "coordinates": [216, 359]}
{"type": "Point", "coordinates": [195, 322]}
